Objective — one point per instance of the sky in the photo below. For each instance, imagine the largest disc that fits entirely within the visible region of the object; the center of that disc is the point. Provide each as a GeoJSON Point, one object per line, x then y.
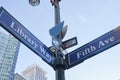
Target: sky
{"type": "Point", "coordinates": [86, 19]}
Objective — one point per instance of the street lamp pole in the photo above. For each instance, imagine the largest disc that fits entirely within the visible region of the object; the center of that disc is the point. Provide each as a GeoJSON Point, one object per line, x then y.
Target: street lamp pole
{"type": "Point", "coordinates": [60, 61]}
{"type": "Point", "coordinates": [57, 12]}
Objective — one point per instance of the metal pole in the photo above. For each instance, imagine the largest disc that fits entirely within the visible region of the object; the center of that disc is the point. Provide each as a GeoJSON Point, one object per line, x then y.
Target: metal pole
{"type": "Point", "coordinates": [59, 62]}
{"type": "Point", "coordinates": [60, 74]}
{"type": "Point", "coordinates": [57, 12]}
{"type": "Point", "coordinates": [60, 68]}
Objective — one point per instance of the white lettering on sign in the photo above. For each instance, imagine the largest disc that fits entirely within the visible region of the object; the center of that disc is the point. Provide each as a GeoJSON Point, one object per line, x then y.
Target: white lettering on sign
{"type": "Point", "coordinates": [20, 31]}
{"type": "Point", "coordinates": [23, 35]}
{"type": "Point", "coordinates": [100, 44]}
{"type": "Point", "coordinates": [86, 51]}
{"type": "Point", "coordinates": [105, 42]}
{"type": "Point", "coordinates": [69, 43]}
{"type": "Point", "coordinates": [43, 51]}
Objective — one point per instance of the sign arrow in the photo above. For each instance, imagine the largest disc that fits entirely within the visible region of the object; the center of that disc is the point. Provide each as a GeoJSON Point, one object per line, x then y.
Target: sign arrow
{"type": "Point", "coordinates": [10, 24]}
{"type": "Point", "coordinates": [94, 47]}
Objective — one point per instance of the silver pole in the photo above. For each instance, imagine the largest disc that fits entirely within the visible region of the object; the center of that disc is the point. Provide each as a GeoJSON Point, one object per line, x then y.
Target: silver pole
{"type": "Point", "coordinates": [59, 62]}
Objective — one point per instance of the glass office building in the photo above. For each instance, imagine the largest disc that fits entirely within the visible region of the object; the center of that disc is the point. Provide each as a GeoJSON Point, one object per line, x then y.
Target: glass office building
{"type": "Point", "coordinates": [34, 72]}
{"type": "Point", "coordinates": [9, 47]}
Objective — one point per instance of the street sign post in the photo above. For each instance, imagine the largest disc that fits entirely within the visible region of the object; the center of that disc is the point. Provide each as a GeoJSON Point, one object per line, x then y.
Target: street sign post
{"type": "Point", "coordinates": [94, 47]}
{"type": "Point", "coordinates": [10, 24]}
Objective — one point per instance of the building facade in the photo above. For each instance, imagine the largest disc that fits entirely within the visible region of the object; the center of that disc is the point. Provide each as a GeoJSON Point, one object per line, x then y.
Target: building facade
{"type": "Point", "coordinates": [9, 47]}
{"type": "Point", "coordinates": [18, 77]}
{"type": "Point", "coordinates": [34, 72]}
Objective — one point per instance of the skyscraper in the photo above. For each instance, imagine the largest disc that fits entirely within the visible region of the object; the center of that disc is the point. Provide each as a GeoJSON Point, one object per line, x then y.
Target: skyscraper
{"type": "Point", "coordinates": [34, 72]}
{"type": "Point", "coordinates": [9, 47]}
